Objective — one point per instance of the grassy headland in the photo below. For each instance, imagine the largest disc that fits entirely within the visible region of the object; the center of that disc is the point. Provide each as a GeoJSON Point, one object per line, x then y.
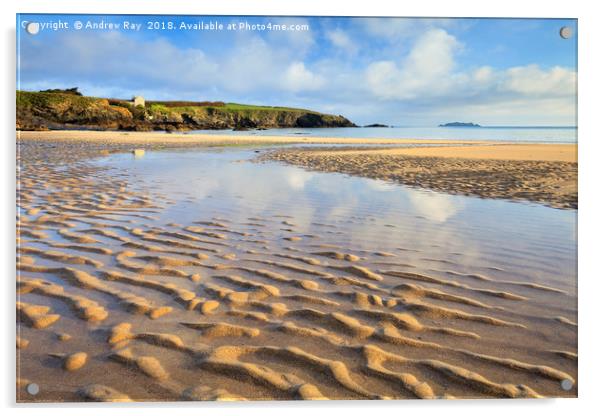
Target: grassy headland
{"type": "Point", "coordinates": [64, 110]}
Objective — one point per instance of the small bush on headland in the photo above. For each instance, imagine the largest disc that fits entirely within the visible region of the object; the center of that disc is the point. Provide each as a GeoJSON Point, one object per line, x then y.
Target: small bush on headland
{"type": "Point", "coordinates": [72, 91]}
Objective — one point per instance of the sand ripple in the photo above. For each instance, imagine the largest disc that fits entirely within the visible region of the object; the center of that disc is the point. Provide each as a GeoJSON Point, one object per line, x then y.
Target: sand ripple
{"type": "Point", "coordinates": [227, 309]}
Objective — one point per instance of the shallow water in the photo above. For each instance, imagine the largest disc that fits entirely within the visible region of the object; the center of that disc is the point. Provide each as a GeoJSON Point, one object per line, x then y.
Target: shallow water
{"type": "Point", "coordinates": [518, 134]}
{"type": "Point", "coordinates": [525, 239]}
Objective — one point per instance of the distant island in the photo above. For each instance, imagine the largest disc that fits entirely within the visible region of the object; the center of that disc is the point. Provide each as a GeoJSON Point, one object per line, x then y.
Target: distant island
{"type": "Point", "coordinates": [376, 125]}
{"type": "Point", "coordinates": [459, 124]}
{"type": "Point", "coordinates": [66, 109]}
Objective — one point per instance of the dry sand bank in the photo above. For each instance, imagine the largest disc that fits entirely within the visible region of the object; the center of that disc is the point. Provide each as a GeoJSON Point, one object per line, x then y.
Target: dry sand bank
{"type": "Point", "coordinates": [114, 305]}
{"type": "Point", "coordinates": [490, 151]}
{"type": "Point", "coordinates": [543, 173]}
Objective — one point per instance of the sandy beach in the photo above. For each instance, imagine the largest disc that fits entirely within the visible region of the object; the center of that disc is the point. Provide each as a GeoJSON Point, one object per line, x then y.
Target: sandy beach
{"type": "Point", "coordinates": [121, 297]}
{"type": "Point", "coordinates": [478, 150]}
{"type": "Point", "coordinates": [195, 139]}
{"type": "Point", "coordinates": [543, 173]}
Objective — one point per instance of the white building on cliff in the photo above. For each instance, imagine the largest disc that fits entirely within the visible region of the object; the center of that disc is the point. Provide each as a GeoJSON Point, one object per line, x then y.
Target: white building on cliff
{"type": "Point", "coordinates": [138, 101]}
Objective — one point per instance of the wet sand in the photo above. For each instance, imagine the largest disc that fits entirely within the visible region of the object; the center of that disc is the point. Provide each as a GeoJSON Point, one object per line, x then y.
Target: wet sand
{"type": "Point", "coordinates": [542, 173]}
{"type": "Point", "coordinates": [194, 139]}
{"type": "Point", "coordinates": [115, 304]}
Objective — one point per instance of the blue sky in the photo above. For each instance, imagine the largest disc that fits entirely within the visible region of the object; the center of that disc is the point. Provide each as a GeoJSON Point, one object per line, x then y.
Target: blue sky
{"type": "Point", "coordinates": [399, 71]}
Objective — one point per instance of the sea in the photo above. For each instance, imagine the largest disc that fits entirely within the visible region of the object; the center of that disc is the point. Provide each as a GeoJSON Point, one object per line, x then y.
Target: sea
{"type": "Point", "coordinates": [530, 134]}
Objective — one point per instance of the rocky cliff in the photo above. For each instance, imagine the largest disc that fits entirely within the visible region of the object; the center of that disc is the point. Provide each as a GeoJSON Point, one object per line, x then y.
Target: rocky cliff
{"type": "Point", "coordinates": [60, 110]}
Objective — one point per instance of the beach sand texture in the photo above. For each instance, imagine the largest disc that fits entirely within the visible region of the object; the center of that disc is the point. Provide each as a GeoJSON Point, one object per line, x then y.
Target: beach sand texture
{"type": "Point", "coordinates": [196, 139]}
{"type": "Point", "coordinates": [543, 173]}
{"type": "Point", "coordinates": [115, 305]}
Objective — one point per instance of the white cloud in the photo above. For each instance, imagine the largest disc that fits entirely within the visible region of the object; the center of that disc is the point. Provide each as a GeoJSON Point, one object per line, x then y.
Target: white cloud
{"type": "Point", "coordinates": [483, 75]}
{"type": "Point", "coordinates": [433, 54]}
{"type": "Point", "coordinates": [532, 80]}
{"type": "Point", "coordinates": [341, 40]}
{"type": "Point", "coordinates": [298, 78]}
{"type": "Point", "coordinates": [426, 70]}
{"type": "Point", "coordinates": [299, 41]}
{"type": "Point", "coordinates": [249, 65]}
{"type": "Point", "coordinates": [108, 59]}
{"type": "Point", "coordinates": [402, 28]}
{"type": "Point", "coordinates": [429, 77]}
{"type": "Point", "coordinates": [387, 28]}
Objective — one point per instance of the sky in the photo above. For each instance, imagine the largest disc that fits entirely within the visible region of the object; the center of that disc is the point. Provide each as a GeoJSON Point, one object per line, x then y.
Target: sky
{"type": "Point", "coordinates": [396, 71]}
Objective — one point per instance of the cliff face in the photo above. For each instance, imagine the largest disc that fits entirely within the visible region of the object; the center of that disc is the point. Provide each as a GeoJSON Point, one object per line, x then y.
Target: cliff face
{"type": "Point", "coordinates": [51, 110]}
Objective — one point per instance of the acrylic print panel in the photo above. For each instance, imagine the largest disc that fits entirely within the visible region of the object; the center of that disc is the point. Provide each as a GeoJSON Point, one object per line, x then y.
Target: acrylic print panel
{"type": "Point", "coordinates": [283, 208]}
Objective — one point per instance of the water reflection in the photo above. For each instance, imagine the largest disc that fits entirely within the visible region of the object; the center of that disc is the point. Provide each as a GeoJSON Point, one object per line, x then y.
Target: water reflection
{"type": "Point", "coordinates": [461, 233]}
{"type": "Point", "coordinates": [435, 206]}
{"type": "Point", "coordinates": [297, 179]}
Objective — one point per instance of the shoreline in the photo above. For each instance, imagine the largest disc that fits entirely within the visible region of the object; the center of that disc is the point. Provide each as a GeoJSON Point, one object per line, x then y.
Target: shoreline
{"type": "Point", "coordinates": [535, 172]}
{"type": "Point", "coordinates": [122, 137]}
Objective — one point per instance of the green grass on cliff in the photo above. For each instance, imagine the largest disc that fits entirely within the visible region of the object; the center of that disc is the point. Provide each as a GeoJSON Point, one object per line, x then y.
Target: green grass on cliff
{"type": "Point", "coordinates": [243, 107]}
{"type": "Point", "coordinates": [28, 99]}
{"type": "Point", "coordinates": [228, 108]}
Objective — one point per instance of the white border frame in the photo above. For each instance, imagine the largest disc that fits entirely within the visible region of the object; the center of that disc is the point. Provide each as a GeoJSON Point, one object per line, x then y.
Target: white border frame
{"type": "Point", "coordinates": [590, 141]}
